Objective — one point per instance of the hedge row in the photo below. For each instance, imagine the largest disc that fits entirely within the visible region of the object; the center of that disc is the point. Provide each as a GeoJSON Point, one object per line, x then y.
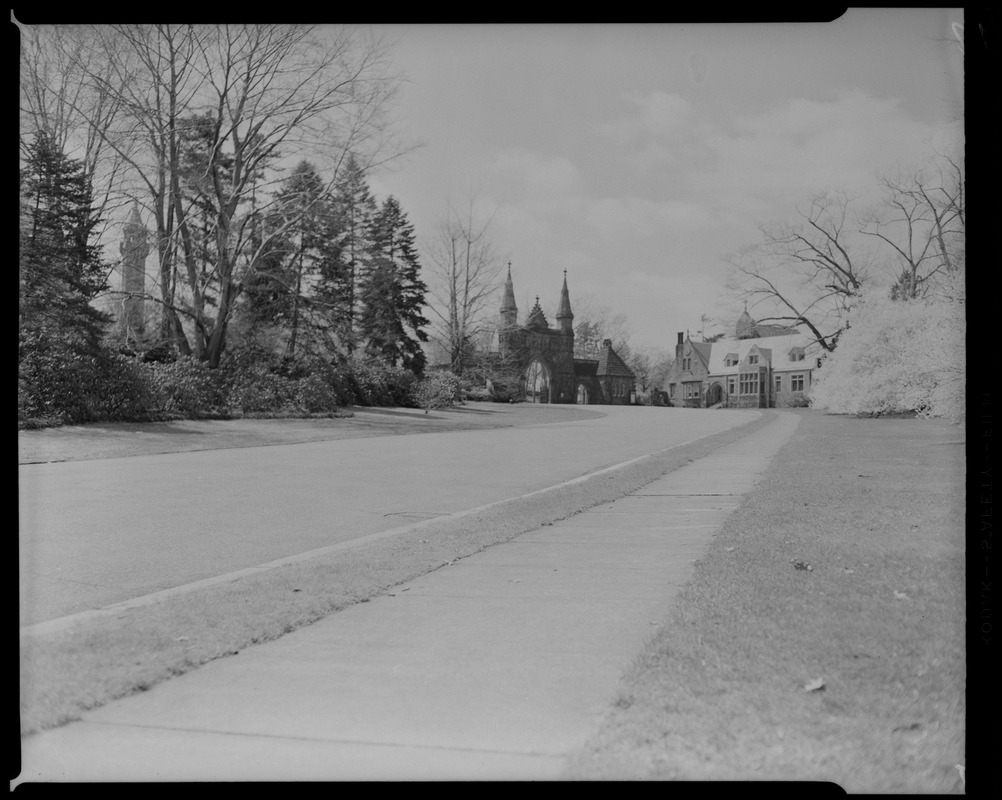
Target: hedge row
{"type": "Point", "coordinates": [57, 386]}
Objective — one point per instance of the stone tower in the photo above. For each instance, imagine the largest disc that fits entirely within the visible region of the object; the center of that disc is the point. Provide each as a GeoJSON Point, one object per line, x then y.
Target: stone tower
{"type": "Point", "coordinates": [134, 249]}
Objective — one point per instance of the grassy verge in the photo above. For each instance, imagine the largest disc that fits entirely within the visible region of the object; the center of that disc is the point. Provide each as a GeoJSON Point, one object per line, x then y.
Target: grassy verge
{"type": "Point", "coordinates": [67, 671]}
{"type": "Point", "coordinates": [722, 692]}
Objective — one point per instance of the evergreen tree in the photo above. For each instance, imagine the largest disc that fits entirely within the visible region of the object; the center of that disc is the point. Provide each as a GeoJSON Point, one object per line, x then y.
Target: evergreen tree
{"type": "Point", "coordinates": [355, 210]}
{"type": "Point", "coordinates": [283, 289]}
{"type": "Point", "coordinates": [394, 295]}
{"type": "Point", "coordinates": [60, 269]}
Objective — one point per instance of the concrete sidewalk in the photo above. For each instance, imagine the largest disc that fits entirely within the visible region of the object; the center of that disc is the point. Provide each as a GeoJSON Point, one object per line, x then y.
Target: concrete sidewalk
{"type": "Point", "coordinates": [496, 667]}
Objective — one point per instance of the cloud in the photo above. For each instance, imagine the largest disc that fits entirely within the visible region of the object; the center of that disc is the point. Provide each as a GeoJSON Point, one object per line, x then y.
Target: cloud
{"type": "Point", "coordinates": [767, 162]}
{"type": "Point", "coordinates": [617, 219]}
{"type": "Point", "coordinates": [653, 113]}
{"type": "Point", "coordinates": [534, 175]}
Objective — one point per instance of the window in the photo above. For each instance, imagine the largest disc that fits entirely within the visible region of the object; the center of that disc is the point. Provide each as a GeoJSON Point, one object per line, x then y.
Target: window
{"type": "Point", "coordinates": [797, 354]}
{"type": "Point", "coordinates": [753, 359]}
{"type": "Point", "coordinates": [749, 383]}
{"type": "Point", "coordinates": [687, 364]}
{"type": "Point", "coordinates": [671, 389]}
{"type": "Point", "coordinates": [779, 383]}
{"type": "Point", "coordinates": [797, 383]}
{"type": "Point", "coordinates": [731, 360]}
{"type": "Point", "coordinates": [730, 385]}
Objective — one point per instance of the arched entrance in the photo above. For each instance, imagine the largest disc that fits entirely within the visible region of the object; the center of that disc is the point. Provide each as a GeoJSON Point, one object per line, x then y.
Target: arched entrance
{"type": "Point", "coordinates": [582, 399]}
{"type": "Point", "coordinates": [715, 395]}
{"type": "Point", "coordinates": [537, 382]}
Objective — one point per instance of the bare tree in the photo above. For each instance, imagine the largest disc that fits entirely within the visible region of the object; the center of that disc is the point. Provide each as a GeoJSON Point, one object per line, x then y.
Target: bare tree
{"type": "Point", "coordinates": [650, 366]}
{"type": "Point", "coordinates": [804, 273]}
{"type": "Point", "coordinates": [594, 322]}
{"type": "Point", "coordinates": [466, 274]}
{"type": "Point", "coordinates": [662, 361]}
{"type": "Point", "coordinates": [265, 93]}
{"type": "Point", "coordinates": [641, 365]}
{"type": "Point", "coordinates": [58, 99]}
{"type": "Point", "coordinates": [922, 221]}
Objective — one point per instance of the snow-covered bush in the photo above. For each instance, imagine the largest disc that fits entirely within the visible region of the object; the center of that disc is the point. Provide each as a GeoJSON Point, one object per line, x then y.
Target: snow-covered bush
{"type": "Point", "coordinates": [898, 357]}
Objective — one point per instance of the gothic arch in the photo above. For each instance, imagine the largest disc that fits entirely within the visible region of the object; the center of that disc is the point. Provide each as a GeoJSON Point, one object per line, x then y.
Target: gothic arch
{"type": "Point", "coordinates": [538, 377]}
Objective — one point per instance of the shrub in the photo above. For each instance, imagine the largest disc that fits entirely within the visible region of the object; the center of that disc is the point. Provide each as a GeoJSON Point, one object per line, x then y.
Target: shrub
{"type": "Point", "coordinates": [376, 383]}
{"type": "Point", "coordinates": [126, 391]}
{"type": "Point", "coordinates": [436, 390]}
{"type": "Point", "coordinates": [316, 394]}
{"type": "Point", "coordinates": [187, 389]}
{"type": "Point", "coordinates": [478, 393]}
{"type": "Point", "coordinates": [509, 392]}
{"type": "Point", "coordinates": [58, 384]}
{"type": "Point", "coordinates": [897, 357]}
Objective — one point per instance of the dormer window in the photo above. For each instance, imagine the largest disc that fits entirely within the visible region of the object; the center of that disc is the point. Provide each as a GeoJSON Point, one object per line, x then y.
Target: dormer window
{"type": "Point", "coordinates": [797, 354]}
{"type": "Point", "coordinates": [731, 360]}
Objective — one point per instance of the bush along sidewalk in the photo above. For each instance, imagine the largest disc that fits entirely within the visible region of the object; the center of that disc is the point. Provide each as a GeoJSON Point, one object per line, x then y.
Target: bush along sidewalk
{"type": "Point", "coordinates": [57, 386]}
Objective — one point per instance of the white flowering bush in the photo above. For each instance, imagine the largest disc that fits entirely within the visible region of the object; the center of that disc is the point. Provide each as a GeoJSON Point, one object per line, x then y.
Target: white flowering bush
{"type": "Point", "coordinates": [435, 390]}
{"type": "Point", "coordinates": [897, 357]}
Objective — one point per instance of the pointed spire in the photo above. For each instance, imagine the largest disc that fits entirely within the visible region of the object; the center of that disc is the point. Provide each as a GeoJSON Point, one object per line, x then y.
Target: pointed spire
{"type": "Point", "coordinates": [565, 317]}
{"type": "Point", "coordinates": [508, 300]}
{"type": "Point", "coordinates": [509, 311]}
{"type": "Point", "coordinates": [745, 327]}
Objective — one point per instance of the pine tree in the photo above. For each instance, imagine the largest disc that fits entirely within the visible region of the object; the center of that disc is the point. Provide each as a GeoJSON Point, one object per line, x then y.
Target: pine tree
{"type": "Point", "coordinates": [60, 270]}
{"type": "Point", "coordinates": [394, 295]}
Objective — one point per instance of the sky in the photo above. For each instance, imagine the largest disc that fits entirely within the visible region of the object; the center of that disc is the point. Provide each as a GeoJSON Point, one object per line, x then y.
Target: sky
{"type": "Point", "coordinates": [637, 157]}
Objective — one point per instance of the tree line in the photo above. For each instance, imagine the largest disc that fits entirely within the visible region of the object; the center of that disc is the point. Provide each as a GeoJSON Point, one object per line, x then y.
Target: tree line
{"type": "Point", "coordinates": [247, 149]}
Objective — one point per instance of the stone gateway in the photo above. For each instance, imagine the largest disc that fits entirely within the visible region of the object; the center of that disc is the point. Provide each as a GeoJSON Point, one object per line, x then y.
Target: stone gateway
{"type": "Point", "coordinates": [544, 357]}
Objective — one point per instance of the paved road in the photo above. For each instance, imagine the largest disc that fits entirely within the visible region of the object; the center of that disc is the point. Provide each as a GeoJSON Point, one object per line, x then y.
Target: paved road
{"type": "Point", "coordinates": [104, 531]}
{"type": "Point", "coordinates": [494, 668]}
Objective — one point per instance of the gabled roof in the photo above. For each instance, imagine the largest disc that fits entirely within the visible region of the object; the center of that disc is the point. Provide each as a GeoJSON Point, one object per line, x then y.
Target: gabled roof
{"type": "Point", "coordinates": [703, 350]}
{"type": "Point", "coordinates": [610, 364]}
{"type": "Point", "coordinates": [767, 346]}
{"type": "Point", "coordinates": [764, 352]}
{"type": "Point", "coordinates": [537, 319]}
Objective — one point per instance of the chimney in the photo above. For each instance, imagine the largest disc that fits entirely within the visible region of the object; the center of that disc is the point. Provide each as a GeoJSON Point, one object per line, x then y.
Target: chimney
{"type": "Point", "coordinates": [607, 343]}
{"type": "Point", "coordinates": [680, 337]}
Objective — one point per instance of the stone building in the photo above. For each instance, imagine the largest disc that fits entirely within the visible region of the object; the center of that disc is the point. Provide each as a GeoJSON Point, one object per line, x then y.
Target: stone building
{"type": "Point", "coordinates": [761, 366]}
{"type": "Point", "coordinates": [543, 357]}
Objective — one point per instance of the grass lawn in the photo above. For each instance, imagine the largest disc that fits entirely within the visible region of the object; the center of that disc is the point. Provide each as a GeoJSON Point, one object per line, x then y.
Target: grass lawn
{"type": "Point", "coordinates": [852, 670]}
